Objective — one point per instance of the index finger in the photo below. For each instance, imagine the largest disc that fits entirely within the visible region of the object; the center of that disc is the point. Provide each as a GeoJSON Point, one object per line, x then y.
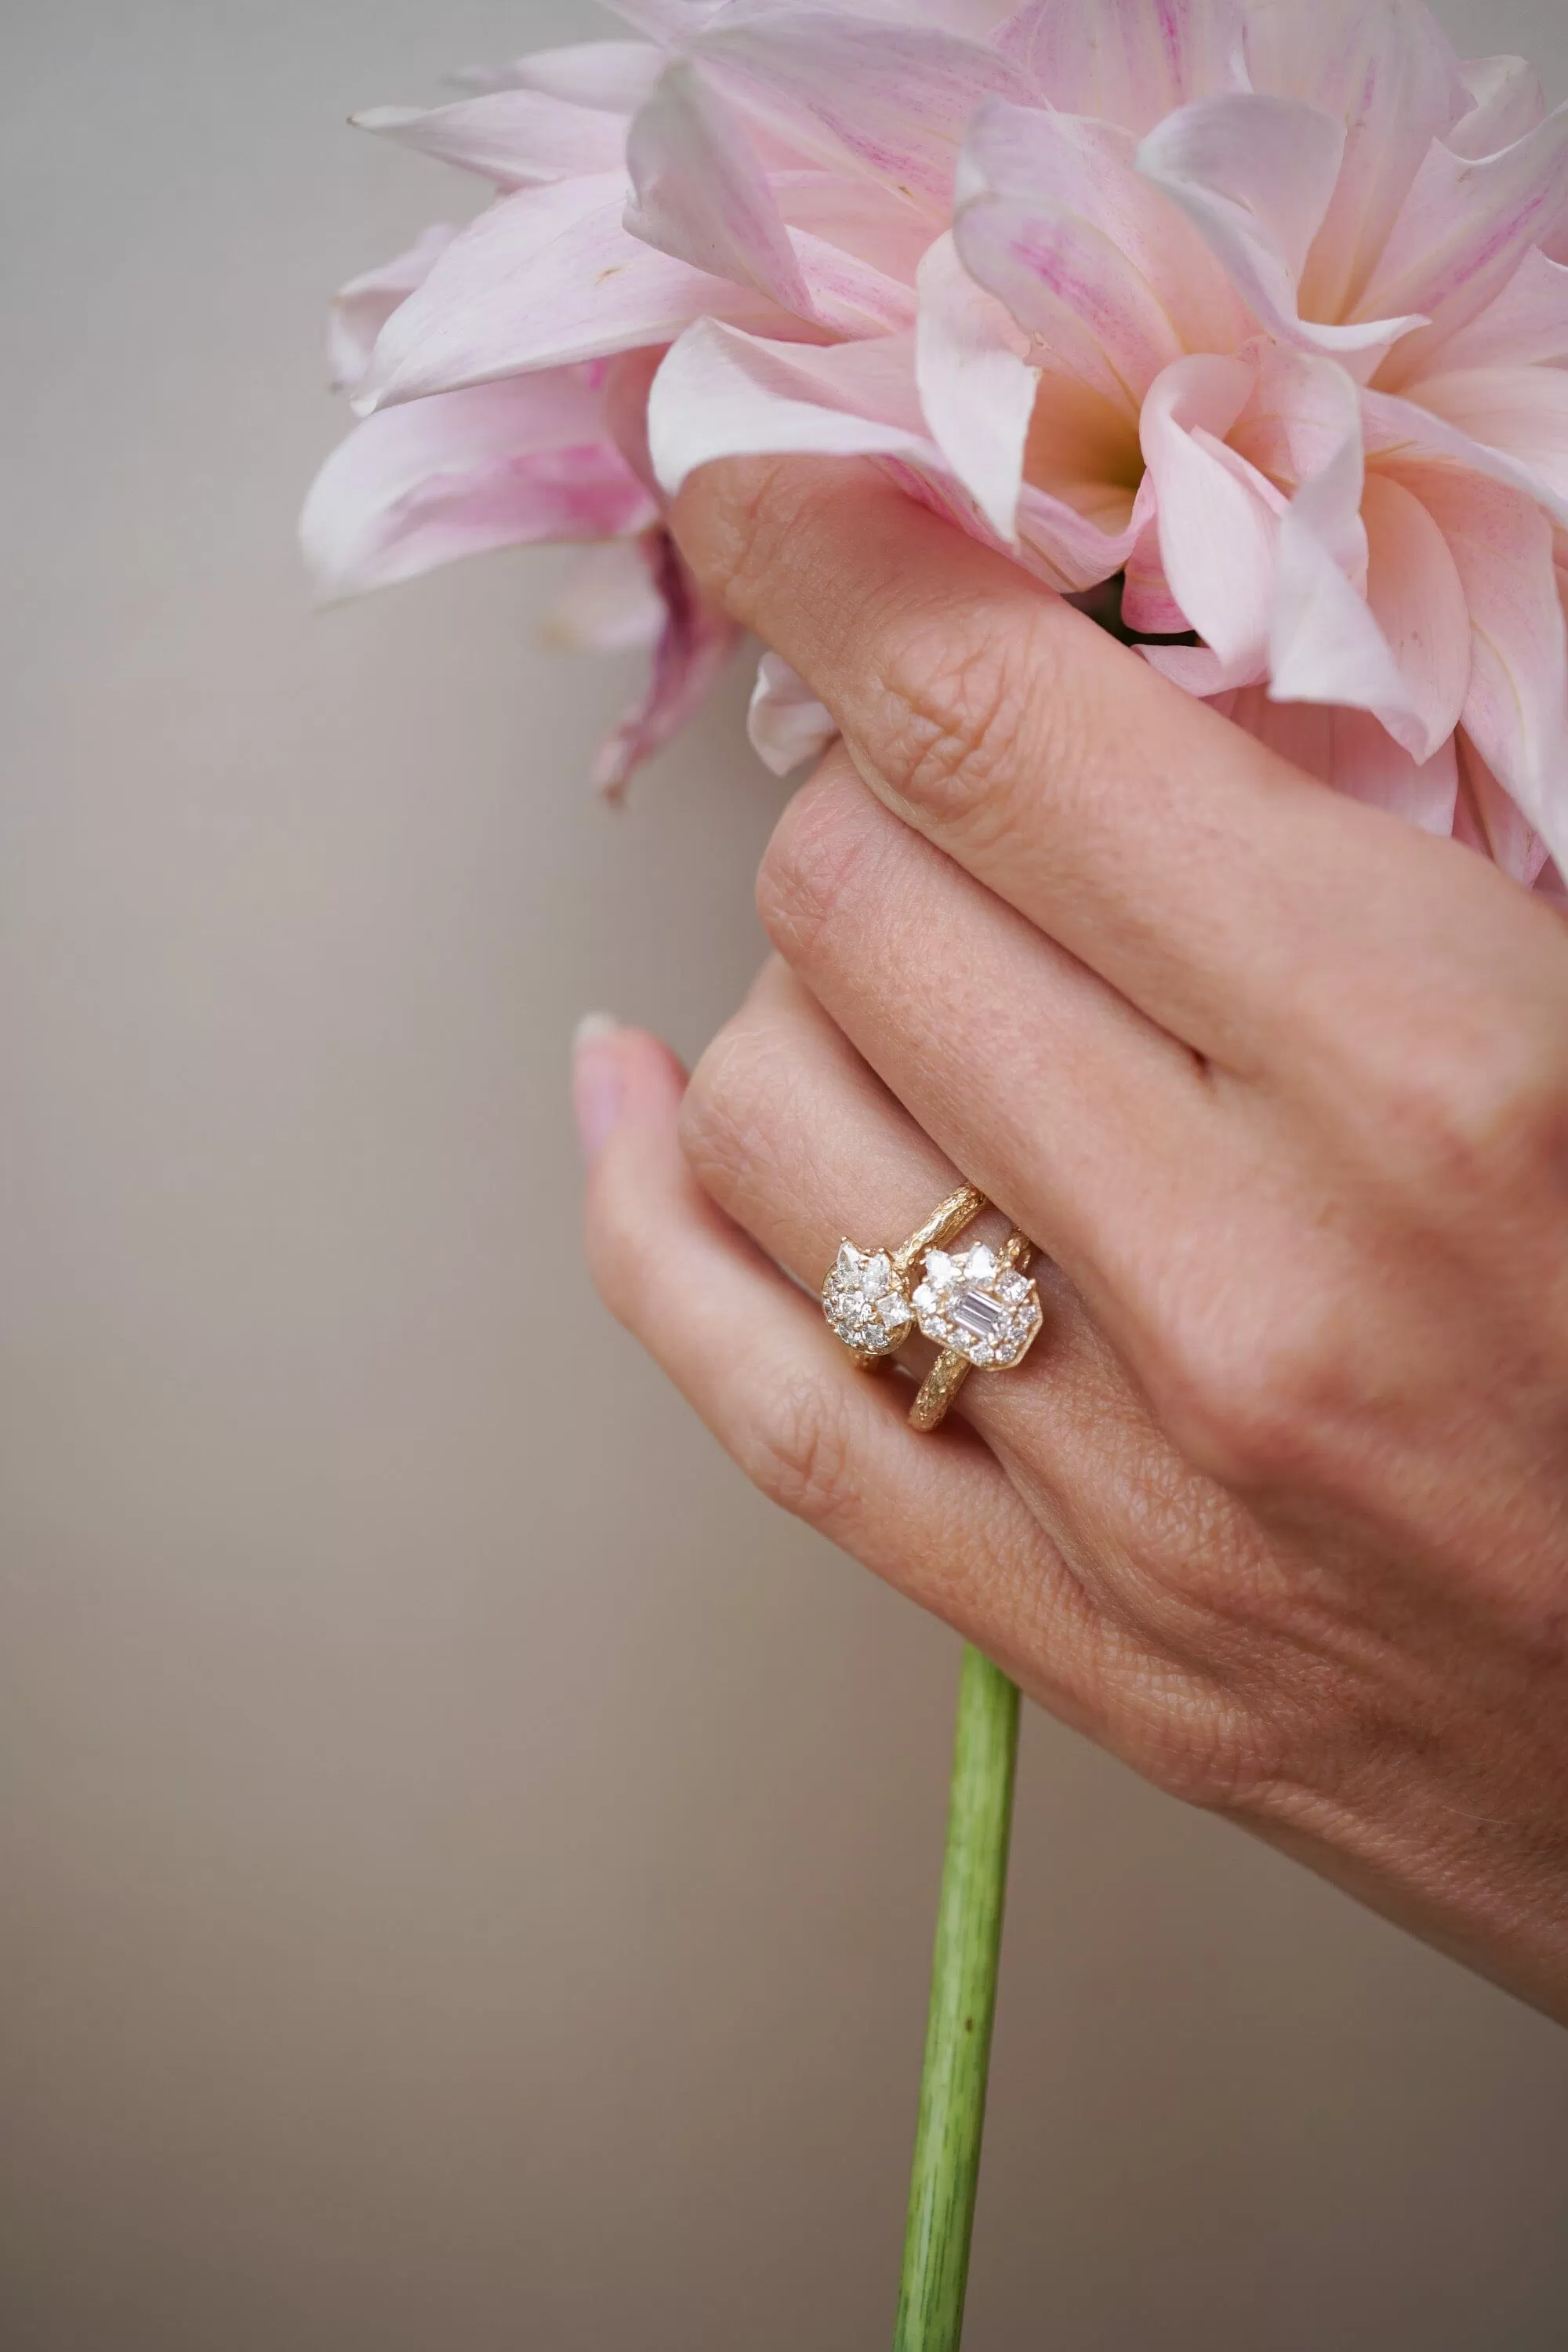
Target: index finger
{"type": "Point", "coordinates": [1202, 875]}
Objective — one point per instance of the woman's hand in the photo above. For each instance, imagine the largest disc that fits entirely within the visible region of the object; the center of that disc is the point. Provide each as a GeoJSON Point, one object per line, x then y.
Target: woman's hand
{"type": "Point", "coordinates": [1277, 1507]}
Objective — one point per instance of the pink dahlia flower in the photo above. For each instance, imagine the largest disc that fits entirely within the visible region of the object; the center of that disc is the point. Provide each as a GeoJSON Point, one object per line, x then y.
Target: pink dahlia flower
{"type": "Point", "coordinates": [1257, 307]}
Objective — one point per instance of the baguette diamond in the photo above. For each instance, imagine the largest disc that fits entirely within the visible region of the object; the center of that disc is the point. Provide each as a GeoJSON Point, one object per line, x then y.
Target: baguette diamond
{"type": "Point", "coordinates": [983, 1309]}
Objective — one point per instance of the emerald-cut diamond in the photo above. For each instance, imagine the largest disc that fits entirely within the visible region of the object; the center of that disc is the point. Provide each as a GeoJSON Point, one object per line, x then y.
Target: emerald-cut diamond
{"type": "Point", "coordinates": [978, 1305]}
{"type": "Point", "coordinates": [866, 1303]}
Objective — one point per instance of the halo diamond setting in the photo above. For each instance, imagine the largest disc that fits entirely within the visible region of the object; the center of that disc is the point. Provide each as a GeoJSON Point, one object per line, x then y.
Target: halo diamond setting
{"type": "Point", "coordinates": [866, 1302]}
{"type": "Point", "coordinates": [978, 1305]}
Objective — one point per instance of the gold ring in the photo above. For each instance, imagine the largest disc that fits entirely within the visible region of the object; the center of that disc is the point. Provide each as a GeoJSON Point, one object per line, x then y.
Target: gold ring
{"type": "Point", "coordinates": [980, 1306]}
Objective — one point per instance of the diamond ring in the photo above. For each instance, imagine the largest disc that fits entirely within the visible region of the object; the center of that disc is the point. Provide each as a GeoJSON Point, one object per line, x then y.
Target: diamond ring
{"type": "Point", "coordinates": [979, 1306]}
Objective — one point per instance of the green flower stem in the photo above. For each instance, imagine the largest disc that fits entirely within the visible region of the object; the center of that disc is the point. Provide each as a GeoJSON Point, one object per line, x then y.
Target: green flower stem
{"type": "Point", "coordinates": [963, 2002]}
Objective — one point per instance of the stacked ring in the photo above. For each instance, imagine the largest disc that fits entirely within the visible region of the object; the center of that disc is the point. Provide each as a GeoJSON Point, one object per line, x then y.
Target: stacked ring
{"type": "Point", "coordinates": [979, 1306]}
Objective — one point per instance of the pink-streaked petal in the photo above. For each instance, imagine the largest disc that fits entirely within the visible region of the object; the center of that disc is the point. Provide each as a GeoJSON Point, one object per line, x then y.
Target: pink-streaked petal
{"type": "Point", "coordinates": [608, 603]}
{"type": "Point", "coordinates": [1385, 70]}
{"type": "Point", "coordinates": [1488, 820]}
{"type": "Point", "coordinates": [693, 649]}
{"type": "Point", "coordinates": [362, 308]}
{"type": "Point", "coordinates": [542, 278]}
{"type": "Point", "coordinates": [1054, 219]}
{"type": "Point", "coordinates": [1507, 102]}
{"type": "Point", "coordinates": [1304, 411]}
{"type": "Point", "coordinates": [698, 193]}
{"type": "Point", "coordinates": [1527, 326]}
{"type": "Point", "coordinates": [1516, 706]}
{"type": "Point", "coordinates": [1218, 518]}
{"type": "Point", "coordinates": [1461, 232]}
{"type": "Point", "coordinates": [976, 388]}
{"type": "Point", "coordinates": [514, 138]}
{"type": "Point", "coordinates": [861, 217]}
{"type": "Point", "coordinates": [1351, 751]}
{"type": "Point", "coordinates": [892, 97]}
{"type": "Point", "coordinates": [1402, 432]}
{"type": "Point", "coordinates": [786, 724]}
{"type": "Point", "coordinates": [615, 76]}
{"type": "Point", "coordinates": [1519, 411]}
{"type": "Point", "coordinates": [1130, 62]}
{"type": "Point", "coordinates": [1255, 176]}
{"type": "Point", "coordinates": [500, 466]}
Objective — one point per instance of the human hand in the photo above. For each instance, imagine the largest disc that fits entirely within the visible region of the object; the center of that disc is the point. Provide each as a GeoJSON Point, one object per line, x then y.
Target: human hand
{"type": "Point", "coordinates": [1277, 1509]}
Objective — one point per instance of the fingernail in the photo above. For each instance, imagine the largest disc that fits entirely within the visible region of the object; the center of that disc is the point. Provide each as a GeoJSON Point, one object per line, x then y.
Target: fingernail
{"type": "Point", "coordinates": [596, 1082]}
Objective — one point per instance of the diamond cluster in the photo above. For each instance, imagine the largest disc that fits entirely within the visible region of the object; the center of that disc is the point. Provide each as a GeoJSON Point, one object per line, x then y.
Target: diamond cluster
{"type": "Point", "coordinates": [981, 1308]}
{"type": "Point", "coordinates": [866, 1303]}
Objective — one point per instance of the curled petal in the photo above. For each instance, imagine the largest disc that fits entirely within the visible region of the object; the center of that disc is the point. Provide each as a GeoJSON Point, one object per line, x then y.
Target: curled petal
{"type": "Point", "coordinates": [721, 394]}
{"type": "Point", "coordinates": [693, 647]}
{"type": "Point", "coordinates": [976, 388]}
{"type": "Point", "coordinates": [504, 464]}
{"type": "Point", "coordinates": [1405, 432]}
{"type": "Point", "coordinates": [362, 308]}
{"type": "Point", "coordinates": [1255, 176]}
{"type": "Point", "coordinates": [515, 138]}
{"type": "Point", "coordinates": [1461, 232]}
{"type": "Point", "coordinates": [1130, 62]}
{"type": "Point", "coordinates": [1218, 518]}
{"type": "Point", "coordinates": [614, 75]}
{"type": "Point", "coordinates": [543, 277]}
{"type": "Point", "coordinates": [786, 722]}
{"type": "Point", "coordinates": [1507, 102]}
{"type": "Point", "coordinates": [1516, 703]}
{"type": "Point", "coordinates": [1386, 71]}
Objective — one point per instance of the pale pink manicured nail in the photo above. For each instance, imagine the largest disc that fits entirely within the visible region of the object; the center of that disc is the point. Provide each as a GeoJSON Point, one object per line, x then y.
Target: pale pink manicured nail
{"type": "Point", "coordinates": [597, 1085]}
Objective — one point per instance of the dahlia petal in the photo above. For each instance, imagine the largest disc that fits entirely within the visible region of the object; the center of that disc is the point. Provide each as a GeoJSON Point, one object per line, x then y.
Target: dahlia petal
{"type": "Point", "coordinates": [1507, 102]}
{"type": "Point", "coordinates": [1415, 595]}
{"type": "Point", "coordinates": [608, 603]}
{"type": "Point", "coordinates": [1516, 706]}
{"type": "Point", "coordinates": [1053, 217]}
{"type": "Point", "coordinates": [1218, 517]}
{"type": "Point", "coordinates": [1147, 604]}
{"type": "Point", "coordinates": [542, 277]}
{"type": "Point", "coordinates": [698, 193]}
{"type": "Point", "coordinates": [614, 75]}
{"type": "Point", "coordinates": [786, 724]}
{"type": "Point", "coordinates": [515, 138]}
{"type": "Point", "coordinates": [1255, 176]}
{"type": "Point", "coordinates": [1351, 751]}
{"type": "Point", "coordinates": [1486, 819]}
{"type": "Point", "coordinates": [693, 647]}
{"type": "Point", "coordinates": [892, 96]}
{"type": "Point", "coordinates": [976, 388]}
{"type": "Point", "coordinates": [1129, 62]}
{"type": "Point", "coordinates": [722, 393]}
{"type": "Point", "coordinates": [1385, 70]}
{"type": "Point", "coordinates": [1461, 232]}
{"type": "Point", "coordinates": [361, 309]}
{"type": "Point", "coordinates": [1520, 411]}
{"type": "Point", "coordinates": [1069, 550]}
{"type": "Point", "coordinates": [1402, 433]}
{"type": "Point", "coordinates": [1527, 326]}
{"type": "Point", "coordinates": [497, 466]}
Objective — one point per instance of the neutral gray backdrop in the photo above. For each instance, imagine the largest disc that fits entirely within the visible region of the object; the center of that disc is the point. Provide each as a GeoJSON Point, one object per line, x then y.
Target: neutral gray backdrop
{"type": "Point", "coordinates": [467, 1868]}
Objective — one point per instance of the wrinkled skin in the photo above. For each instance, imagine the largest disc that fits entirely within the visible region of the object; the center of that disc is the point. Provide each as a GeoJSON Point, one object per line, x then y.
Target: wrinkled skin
{"type": "Point", "coordinates": [1277, 1507]}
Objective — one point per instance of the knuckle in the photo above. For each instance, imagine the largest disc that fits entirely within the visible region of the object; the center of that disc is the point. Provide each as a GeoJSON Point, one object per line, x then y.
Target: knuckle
{"type": "Point", "coordinates": [969, 712]}
{"type": "Point", "coordinates": [737, 1095]}
{"type": "Point", "coordinates": [1473, 1105]}
{"type": "Point", "coordinates": [814, 866]}
{"type": "Point", "coordinates": [1259, 1410]}
{"type": "Point", "coordinates": [802, 1456]}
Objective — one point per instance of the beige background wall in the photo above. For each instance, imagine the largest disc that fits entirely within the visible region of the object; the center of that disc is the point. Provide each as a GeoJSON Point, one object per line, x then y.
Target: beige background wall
{"type": "Point", "coordinates": [467, 1867]}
